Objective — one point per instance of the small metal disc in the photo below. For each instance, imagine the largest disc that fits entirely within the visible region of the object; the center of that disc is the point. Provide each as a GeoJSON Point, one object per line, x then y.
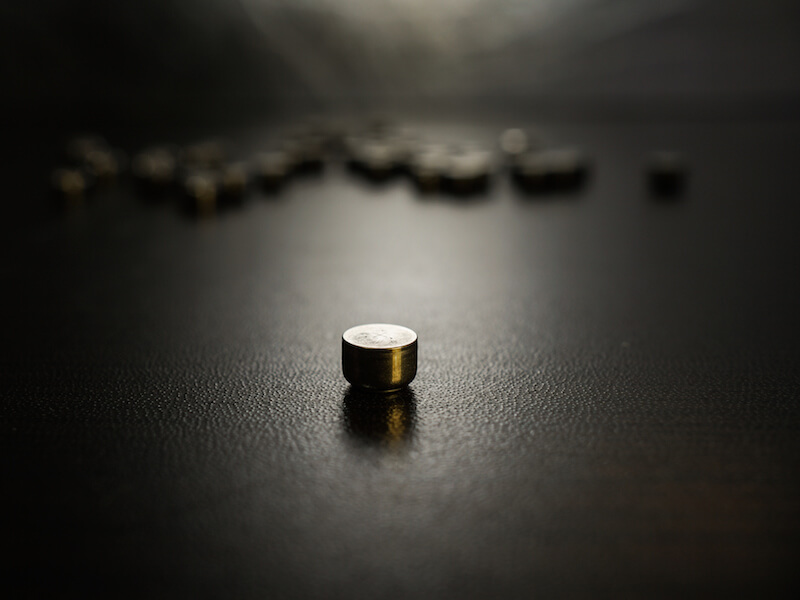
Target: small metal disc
{"type": "Point", "coordinates": [233, 181]}
{"type": "Point", "coordinates": [513, 142]}
{"type": "Point", "coordinates": [379, 356]}
{"type": "Point", "coordinates": [469, 170]}
{"type": "Point", "coordinates": [202, 192]}
{"type": "Point", "coordinates": [375, 158]}
{"type": "Point", "coordinates": [568, 168]}
{"type": "Point", "coordinates": [103, 164]}
{"type": "Point", "coordinates": [156, 168]}
{"type": "Point", "coordinates": [306, 151]}
{"type": "Point", "coordinates": [666, 174]}
{"type": "Point", "coordinates": [531, 171]}
{"type": "Point", "coordinates": [547, 171]}
{"type": "Point", "coordinates": [78, 148]}
{"type": "Point", "coordinates": [428, 165]}
{"type": "Point", "coordinates": [273, 168]}
{"type": "Point", "coordinates": [70, 185]}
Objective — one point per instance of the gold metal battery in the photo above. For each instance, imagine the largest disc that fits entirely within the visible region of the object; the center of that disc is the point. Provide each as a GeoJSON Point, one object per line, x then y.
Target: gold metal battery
{"type": "Point", "coordinates": [379, 356]}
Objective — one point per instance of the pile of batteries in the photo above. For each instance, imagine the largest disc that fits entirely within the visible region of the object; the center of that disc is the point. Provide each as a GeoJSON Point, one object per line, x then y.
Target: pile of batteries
{"type": "Point", "coordinates": [206, 179]}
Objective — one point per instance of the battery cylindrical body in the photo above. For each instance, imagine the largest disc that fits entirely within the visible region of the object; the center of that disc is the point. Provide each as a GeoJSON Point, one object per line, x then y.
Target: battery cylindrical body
{"type": "Point", "coordinates": [379, 356]}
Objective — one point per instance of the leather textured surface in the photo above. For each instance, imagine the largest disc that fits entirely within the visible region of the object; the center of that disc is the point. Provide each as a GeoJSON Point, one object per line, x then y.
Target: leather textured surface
{"type": "Point", "coordinates": [606, 403]}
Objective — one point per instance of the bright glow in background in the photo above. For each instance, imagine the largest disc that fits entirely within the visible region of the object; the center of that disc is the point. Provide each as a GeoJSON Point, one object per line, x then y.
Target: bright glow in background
{"type": "Point", "coordinates": [196, 54]}
{"type": "Point", "coordinates": [424, 46]}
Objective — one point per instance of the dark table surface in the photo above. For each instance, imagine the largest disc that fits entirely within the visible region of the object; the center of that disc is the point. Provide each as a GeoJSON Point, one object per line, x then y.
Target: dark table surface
{"type": "Point", "coordinates": [606, 403]}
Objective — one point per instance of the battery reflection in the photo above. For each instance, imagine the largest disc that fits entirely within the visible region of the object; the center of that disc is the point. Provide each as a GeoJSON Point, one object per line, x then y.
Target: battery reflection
{"type": "Point", "coordinates": [380, 419]}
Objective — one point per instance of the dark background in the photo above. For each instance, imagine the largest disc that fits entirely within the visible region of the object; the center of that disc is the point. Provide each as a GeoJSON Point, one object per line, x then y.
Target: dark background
{"type": "Point", "coordinates": [195, 59]}
{"type": "Point", "coordinates": [607, 396]}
